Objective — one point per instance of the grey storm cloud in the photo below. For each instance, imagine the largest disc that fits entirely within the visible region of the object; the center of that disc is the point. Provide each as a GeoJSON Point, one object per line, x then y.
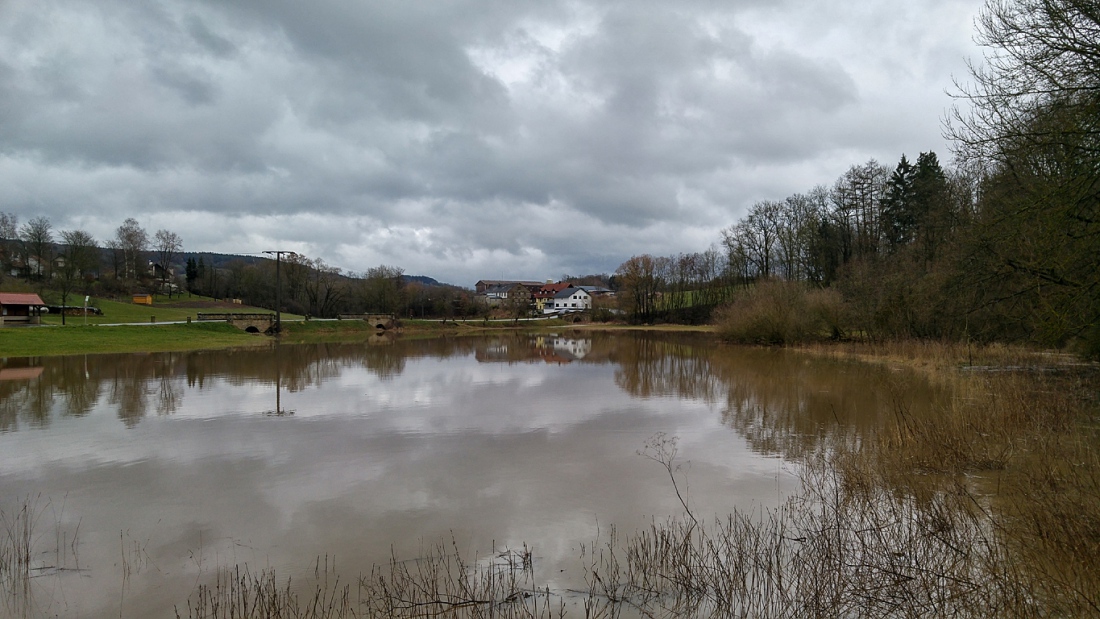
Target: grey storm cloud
{"type": "Point", "coordinates": [457, 139]}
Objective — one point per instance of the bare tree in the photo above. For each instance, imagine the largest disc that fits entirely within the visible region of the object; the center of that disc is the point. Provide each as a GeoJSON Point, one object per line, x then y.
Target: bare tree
{"type": "Point", "coordinates": [37, 237]}
{"type": "Point", "coordinates": [132, 241]}
{"type": "Point", "coordinates": [323, 288]}
{"type": "Point", "coordinates": [857, 197]}
{"type": "Point", "coordinates": [9, 226]}
{"type": "Point", "coordinates": [167, 245]}
{"type": "Point", "coordinates": [751, 243]}
{"type": "Point", "coordinates": [79, 259]}
{"type": "Point", "coordinates": [1041, 60]}
{"type": "Point", "coordinates": [640, 285]}
{"type": "Point", "coordinates": [295, 273]}
{"type": "Point", "coordinates": [381, 288]}
{"type": "Point", "coordinates": [9, 238]}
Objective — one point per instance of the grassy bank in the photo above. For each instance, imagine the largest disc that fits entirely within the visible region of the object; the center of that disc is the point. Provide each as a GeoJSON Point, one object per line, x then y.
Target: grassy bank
{"type": "Point", "coordinates": [76, 339]}
{"type": "Point", "coordinates": [163, 309]}
{"type": "Point", "coordinates": [47, 341]}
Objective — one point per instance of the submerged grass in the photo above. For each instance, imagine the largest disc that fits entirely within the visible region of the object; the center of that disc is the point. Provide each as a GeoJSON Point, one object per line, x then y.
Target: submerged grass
{"type": "Point", "coordinates": [439, 584]}
{"type": "Point", "coordinates": [25, 551]}
{"type": "Point", "coordinates": [946, 356]}
{"type": "Point", "coordinates": [16, 543]}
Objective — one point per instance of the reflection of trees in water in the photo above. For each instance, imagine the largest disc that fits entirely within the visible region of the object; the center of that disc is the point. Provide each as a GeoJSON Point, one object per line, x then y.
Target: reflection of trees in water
{"type": "Point", "coordinates": [385, 362]}
{"type": "Point", "coordinates": [35, 387]}
{"type": "Point", "coordinates": [169, 382]}
{"type": "Point", "coordinates": [81, 393]}
{"type": "Point", "coordinates": [780, 402]}
{"type": "Point", "coordinates": [658, 367]}
{"type": "Point", "coordinates": [789, 403]}
{"type": "Point", "coordinates": [128, 392]}
{"type": "Point", "coordinates": [168, 396]}
{"type": "Point", "coordinates": [15, 396]}
{"type": "Point", "coordinates": [38, 402]}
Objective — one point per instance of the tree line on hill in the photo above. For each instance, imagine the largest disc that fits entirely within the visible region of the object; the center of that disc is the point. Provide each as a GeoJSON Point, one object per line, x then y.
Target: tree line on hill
{"type": "Point", "coordinates": [312, 287]}
{"type": "Point", "coordinates": [61, 264]}
{"type": "Point", "coordinates": [1004, 245]}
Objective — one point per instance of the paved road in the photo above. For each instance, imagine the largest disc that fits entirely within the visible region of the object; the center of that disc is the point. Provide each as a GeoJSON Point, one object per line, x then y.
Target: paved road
{"type": "Point", "coordinates": [183, 322]}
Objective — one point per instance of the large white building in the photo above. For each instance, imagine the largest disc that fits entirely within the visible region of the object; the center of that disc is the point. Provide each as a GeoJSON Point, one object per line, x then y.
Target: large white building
{"type": "Point", "coordinates": [572, 300]}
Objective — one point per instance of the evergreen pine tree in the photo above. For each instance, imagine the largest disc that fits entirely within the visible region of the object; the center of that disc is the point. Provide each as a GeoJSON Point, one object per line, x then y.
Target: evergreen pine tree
{"type": "Point", "coordinates": [898, 205]}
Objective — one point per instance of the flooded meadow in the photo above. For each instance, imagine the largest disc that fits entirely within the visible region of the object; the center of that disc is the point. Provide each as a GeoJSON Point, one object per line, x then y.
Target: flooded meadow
{"type": "Point", "coordinates": [143, 479]}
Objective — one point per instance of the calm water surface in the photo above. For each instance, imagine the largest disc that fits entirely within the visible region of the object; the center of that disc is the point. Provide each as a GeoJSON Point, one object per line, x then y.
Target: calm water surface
{"type": "Point", "coordinates": [166, 467]}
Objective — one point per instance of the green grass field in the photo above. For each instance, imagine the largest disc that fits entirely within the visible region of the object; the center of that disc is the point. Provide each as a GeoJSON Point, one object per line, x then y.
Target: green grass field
{"type": "Point", "coordinates": [48, 341]}
{"type": "Point", "coordinates": [163, 310]}
{"type": "Point", "coordinates": [98, 337]}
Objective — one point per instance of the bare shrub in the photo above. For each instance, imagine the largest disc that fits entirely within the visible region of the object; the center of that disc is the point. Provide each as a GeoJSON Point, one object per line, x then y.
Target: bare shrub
{"type": "Point", "coordinates": [782, 312]}
{"type": "Point", "coordinates": [852, 545]}
{"type": "Point", "coordinates": [834, 550]}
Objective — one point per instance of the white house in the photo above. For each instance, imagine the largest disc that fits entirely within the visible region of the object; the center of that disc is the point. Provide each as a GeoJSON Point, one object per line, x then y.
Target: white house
{"type": "Point", "coordinates": [572, 300]}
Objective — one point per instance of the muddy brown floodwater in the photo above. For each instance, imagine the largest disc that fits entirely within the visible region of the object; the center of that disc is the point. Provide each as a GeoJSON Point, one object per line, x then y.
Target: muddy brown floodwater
{"type": "Point", "coordinates": [148, 473]}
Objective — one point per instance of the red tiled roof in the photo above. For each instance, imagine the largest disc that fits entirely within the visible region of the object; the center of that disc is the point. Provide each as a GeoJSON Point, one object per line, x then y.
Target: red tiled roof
{"type": "Point", "coordinates": [549, 290]}
{"type": "Point", "coordinates": [20, 298]}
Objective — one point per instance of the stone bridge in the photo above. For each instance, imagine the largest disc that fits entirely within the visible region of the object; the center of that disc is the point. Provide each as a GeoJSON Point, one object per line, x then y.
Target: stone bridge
{"type": "Point", "coordinates": [380, 321]}
{"type": "Point", "coordinates": [252, 323]}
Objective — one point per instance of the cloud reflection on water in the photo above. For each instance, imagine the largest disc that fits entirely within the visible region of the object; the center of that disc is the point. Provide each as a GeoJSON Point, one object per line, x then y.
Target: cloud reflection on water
{"type": "Point", "coordinates": [502, 439]}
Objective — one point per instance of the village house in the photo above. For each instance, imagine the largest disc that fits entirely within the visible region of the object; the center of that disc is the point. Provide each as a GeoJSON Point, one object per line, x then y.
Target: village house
{"type": "Point", "coordinates": [598, 291]}
{"type": "Point", "coordinates": [159, 271]}
{"type": "Point", "coordinates": [572, 300]}
{"type": "Point", "coordinates": [544, 296]}
{"type": "Point", "coordinates": [499, 294]}
{"type": "Point", "coordinates": [483, 285]}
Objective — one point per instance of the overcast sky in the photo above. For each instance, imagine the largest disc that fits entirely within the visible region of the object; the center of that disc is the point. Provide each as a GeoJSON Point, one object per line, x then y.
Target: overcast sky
{"type": "Point", "coordinates": [460, 139]}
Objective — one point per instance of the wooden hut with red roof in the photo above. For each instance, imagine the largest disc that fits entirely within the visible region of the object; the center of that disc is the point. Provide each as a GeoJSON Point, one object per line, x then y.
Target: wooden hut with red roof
{"type": "Point", "coordinates": [20, 308]}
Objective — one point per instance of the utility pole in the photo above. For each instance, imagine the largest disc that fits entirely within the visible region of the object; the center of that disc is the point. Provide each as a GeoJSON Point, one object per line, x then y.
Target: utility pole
{"type": "Point", "coordinates": [278, 287]}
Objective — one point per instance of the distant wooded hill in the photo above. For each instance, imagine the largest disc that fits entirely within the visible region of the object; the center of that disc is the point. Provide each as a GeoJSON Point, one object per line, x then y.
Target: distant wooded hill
{"type": "Point", "coordinates": [223, 261]}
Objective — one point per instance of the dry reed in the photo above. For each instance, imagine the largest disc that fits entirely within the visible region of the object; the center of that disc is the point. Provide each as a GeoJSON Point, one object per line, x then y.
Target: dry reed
{"type": "Point", "coordinates": [439, 584]}
{"type": "Point", "coordinates": [25, 552]}
{"type": "Point", "coordinates": [240, 594]}
{"type": "Point", "coordinates": [16, 550]}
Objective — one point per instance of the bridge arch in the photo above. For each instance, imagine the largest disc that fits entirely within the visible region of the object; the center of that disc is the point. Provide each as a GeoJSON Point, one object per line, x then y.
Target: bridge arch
{"type": "Point", "coordinates": [250, 323]}
{"type": "Point", "coordinates": [380, 321]}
